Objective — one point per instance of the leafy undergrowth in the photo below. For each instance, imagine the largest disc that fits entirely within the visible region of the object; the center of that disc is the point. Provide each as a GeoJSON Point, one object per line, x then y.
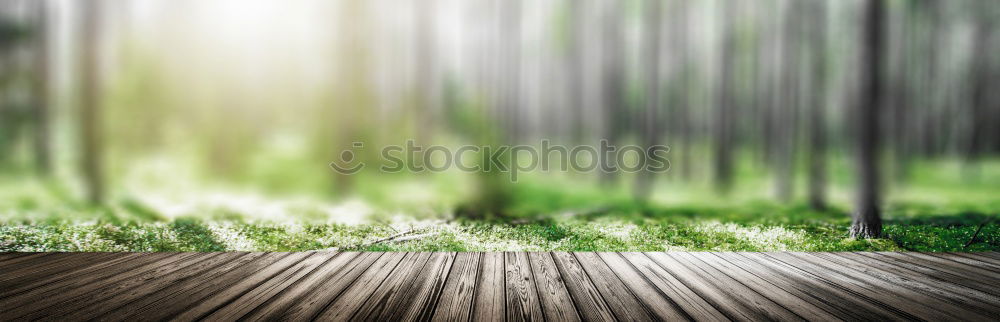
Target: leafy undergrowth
{"type": "Point", "coordinates": [600, 234]}
{"type": "Point", "coordinates": [542, 219]}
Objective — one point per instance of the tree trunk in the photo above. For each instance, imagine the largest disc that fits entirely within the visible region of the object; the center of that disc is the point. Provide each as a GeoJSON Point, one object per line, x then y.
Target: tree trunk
{"type": "Point", "coordinates": [789, 99]}
{"type": "Point", "coordinates": [649, 128]}
{"type": "Point", "coordinates": [867, 221]}
{"type": "Point", "coordinates": [42, 145]}
{"type": "Point", "coordinates": [817, 116]}
{"type": "Point", "coordinates": [90, 103]}
{"type": "Point", "coordinates": [723, 166]}
{"type": "Point", "coordinates": [613, 85]}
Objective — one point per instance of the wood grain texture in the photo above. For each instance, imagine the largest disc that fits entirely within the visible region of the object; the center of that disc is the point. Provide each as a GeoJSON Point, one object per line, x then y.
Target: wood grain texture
{"type": "Point", "coordinates": [862, 284]}
{"type": "Point", "coordinates": [693, 304]}
{"type": "Point", "coordinates": [446, 286]}
{"type": "Point", "coordinates": [344, 306]}
{"type": "Point", "coordinates": [619, 298]}
{"type": "Point", "coordinates": [587, 297]}
{"type": "Point", "coordinates": [813, 289]}
{"type": "Point", "coordinates": [270, 289]}
{"type": "Point", "coordinates": [522, 297]}
{"type": "Point", "coordinates": [489, 301]}
{"type": "Point", "coordinates": [557, 305]}
{"type": "Point", "coordinates": [228, 293]}
{"type": "Point", "coordinates": [327, 288]}
{"type": "Point", "coordinates": [738, 301]}
{"type": "Point", "coordinates": [658, 304]}
{"type": "Point", "coordinates": [455, 303]}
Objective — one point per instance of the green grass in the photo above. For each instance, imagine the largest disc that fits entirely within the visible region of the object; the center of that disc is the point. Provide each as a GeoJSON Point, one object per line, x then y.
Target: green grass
{"type": "Point", "coordinates": [934, 213]}
{"type": "Point", "coordinates": [770, 228]}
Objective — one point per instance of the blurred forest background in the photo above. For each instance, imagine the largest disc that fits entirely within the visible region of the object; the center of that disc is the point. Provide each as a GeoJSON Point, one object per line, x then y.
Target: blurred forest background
{"type": "Point", "coordinates": [155, 125]}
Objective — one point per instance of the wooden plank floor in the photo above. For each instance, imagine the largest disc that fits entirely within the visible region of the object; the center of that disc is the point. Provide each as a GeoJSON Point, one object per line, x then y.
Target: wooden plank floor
{"type": "Point", "coordinates": [499, 286]}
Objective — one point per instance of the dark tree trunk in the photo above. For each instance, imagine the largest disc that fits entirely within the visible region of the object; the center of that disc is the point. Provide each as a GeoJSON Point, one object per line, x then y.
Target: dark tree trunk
{"type": "Point", "coordinates": [817, 116]}
{"type": "Point", "coordinates": [982, 61]}
{"type": "Point", "coordinates": [867, 221]}
{"type": "Point", "coordinates": [90, 103]}
{"type": "Point", "coordinates": [722, 128]}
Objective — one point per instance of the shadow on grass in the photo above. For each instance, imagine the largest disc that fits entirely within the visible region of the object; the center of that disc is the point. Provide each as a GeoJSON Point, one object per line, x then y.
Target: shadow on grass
{"type": "Point", "coordinates": [193, 235]}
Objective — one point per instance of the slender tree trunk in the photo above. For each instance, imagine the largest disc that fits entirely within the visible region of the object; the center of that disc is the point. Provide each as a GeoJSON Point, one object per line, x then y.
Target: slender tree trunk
{"type": "Point", "coordinates": [981, 90]}
{"type": "Point", "coordinates": [817, 116]}
{"type": "Point", "coordinates": [867, 221]}
{"type": "Point", "coordinates": [649, 127]}
{"type": "Point", "coordinates": [90, 103]}
{"type": "Point", "coordinates": [573, 65]}
{"type": "Point", "coordinates": [789, 104]}
{"type": "Point", "coordinates": [723, 166]}
{"type": "Point", "coordinates": [42, 146]}
{"type": "Point", "coordinates": [614, 83]}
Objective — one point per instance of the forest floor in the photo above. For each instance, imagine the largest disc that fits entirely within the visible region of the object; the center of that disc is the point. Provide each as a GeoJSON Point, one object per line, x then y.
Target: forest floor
{"type": "Point", "coordinates": [817, 233]}
{"type": "Point", "coordinates": [920, 224]}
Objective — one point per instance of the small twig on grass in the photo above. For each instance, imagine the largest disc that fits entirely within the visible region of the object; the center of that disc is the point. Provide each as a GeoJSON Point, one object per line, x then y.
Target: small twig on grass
{"type": "Point", "coordinates": [980, 228]}
{"type": "Point", "coordinates": [415, 237]}
{"type": "Point", "coordinates": [394, 237]}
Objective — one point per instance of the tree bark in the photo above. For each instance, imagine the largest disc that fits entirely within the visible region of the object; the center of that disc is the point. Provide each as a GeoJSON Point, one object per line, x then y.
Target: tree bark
{"type": "Point", "coordinates": [42, 137]}
{"type": "Point", "coordinates": [649, 127]}
{"type": "Point", "coordinates": [817, 116]}
{"type": "Point", "coordinates": [867, 222]}
{"type": "Point", "coordinates": [722, 128]}
{"type": "Point", "coordinates": [90, 103]}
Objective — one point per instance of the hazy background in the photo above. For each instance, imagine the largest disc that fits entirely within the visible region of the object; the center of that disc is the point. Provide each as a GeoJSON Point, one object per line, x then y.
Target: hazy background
{"type": "Point", "coordinates": [184, 105]}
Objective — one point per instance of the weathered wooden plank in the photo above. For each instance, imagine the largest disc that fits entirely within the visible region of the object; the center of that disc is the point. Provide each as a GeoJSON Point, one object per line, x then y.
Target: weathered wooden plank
{"type": "Point", "coordinates": [182, 294]}
{"type": "Point", "coordinates": [276, 306]}
{"type": "Point", "coordinates": [928, 284]}
{"type": "Point", "coordinates": [344, 306]}
{"type": "Point", "coordinates": [55, 293]}
{"type": "Point", "coordinates": [495, 286]}
{"type": "Point", "coordinates": [751, 290]}
{"type": "Point", "coordinates": [10, 255]}
{"type": "Point", "coordinates": [618, 297]}
{"type": "Point", "coordinates": [489, 299]}
{"type": "Point", "coordinates": [887, 290]}
{"type": "Point", "coordinates": [271, 288]}
{"type": "Point", "coordinates": [942, 273]}
{"type": "Point", "coordinates": [980, 256]}
{"type": "Point", "coordinates": [860, 287]}
{"type": "Point", "coordinates": [66, 279]}
{"type": "Point", "coordinates": [587, 297]}
{"type": "Point", "coordinates": [423, 295]}
{"type": "Point", "coordinates": [209, 304]}
{"type": "Point", "coordinates": [854, 306]}
{"type": "Point", "coordinates": [24, 260]}
{"type": "Point", "coordinates": [657, 303]}
{"type": "Point", "coordinates": [733, 298]}
{"type": "Point", "coordinates": [61, 263]}
{"type": "Point", "coordinates": [522, 298]}
{"type": "Point", "coordinates": [994, 255]}
{"type": "Point", "coordinates": [99, 301]}
{"type": "Point", "coordinates": [326, 289]}
{"type": "Point", "coordinates": [391, 294]}
{"type": "Point", "coordinates": [455, 303]}
{"type": "Point", "coordinates": [552, 294]}
{"type": "Point", "coordinates": [944, 263]}
{"type": "Point", "coordinates": [692, 303]}
{"type": "Point", "coordinates": [62, 289]}
{"type": "Point", "coordinates": [802, 303]}
{"type": "Point", "coordinates": [984, 263]}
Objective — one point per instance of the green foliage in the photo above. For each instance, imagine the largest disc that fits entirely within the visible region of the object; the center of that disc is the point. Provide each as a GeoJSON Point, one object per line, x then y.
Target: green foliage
{"type": "Point", "coordinates": [936, 213]}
